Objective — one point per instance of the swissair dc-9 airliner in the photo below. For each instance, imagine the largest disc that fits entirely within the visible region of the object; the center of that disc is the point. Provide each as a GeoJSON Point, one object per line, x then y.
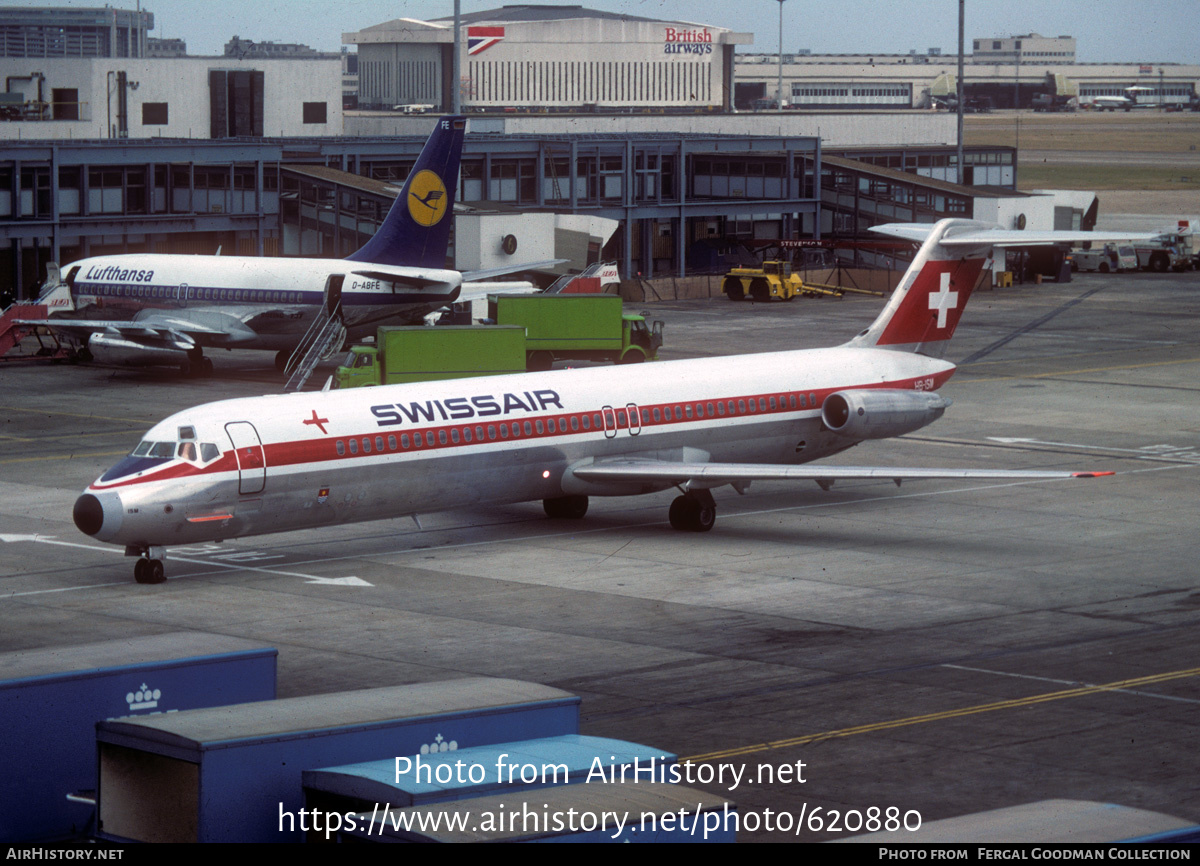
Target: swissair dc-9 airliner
{"type": "Point", "coordinates": [277, 463]}
{"type": "Point", "coordinates": [158, 308]}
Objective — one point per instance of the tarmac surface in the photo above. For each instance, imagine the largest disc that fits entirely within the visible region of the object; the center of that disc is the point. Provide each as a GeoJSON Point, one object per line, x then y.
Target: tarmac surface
{"type": "Point", "coordinates": [940, 648]}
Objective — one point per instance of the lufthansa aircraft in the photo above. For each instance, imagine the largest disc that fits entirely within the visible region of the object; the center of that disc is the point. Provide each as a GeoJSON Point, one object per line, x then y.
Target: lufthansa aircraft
{"type": "Point", "coordinates": [153, 308]}
{"type": "Point", "coordinates": [278, 463]}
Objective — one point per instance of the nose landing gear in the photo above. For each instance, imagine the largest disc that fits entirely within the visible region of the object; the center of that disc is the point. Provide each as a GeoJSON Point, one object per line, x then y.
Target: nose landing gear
{"type": "Point", "coordinates": [149, 567]}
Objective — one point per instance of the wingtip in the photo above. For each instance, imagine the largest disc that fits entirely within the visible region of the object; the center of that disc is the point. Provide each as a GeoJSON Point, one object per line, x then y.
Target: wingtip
{"type": "Point", "coordinates": [1091, 474]}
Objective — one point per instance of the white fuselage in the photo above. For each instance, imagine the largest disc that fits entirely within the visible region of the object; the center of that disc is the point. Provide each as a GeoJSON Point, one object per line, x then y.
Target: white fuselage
{"type": "Point", "coordinates": [276, 298]}
{"type": "Point", "coordinates": [310, 459]}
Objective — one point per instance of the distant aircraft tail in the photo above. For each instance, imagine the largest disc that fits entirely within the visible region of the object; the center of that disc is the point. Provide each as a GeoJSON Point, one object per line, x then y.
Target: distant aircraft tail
{"type": "Point", "coordinates": [416, 231]}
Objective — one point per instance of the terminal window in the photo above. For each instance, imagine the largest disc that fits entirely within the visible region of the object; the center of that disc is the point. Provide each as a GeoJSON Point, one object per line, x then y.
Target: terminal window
{"type": "Point", "coordinates": [154, 113]}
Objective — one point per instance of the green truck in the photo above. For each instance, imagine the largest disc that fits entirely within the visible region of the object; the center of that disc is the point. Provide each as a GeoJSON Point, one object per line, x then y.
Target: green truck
{"type": "Point", "coordinates": [423, 354]}
{"type": "Point", "coordinates": [577, 328]}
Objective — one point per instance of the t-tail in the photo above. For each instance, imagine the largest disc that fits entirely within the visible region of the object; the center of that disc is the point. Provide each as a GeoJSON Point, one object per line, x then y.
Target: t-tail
{"type": "Point", "coordinates": [929, 300]}
{"type": "Point", "coordinates": [416, 232]}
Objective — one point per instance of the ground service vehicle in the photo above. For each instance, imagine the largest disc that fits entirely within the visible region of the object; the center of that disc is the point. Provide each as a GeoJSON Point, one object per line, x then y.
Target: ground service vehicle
{"type": "Point", "coordinates": [424, 354]}
{"type": "Point", "coordinates": [772, 280]}
{"type": "Point", "coordinates": [1107, 260]}
{"type": "Point", "coordinates": [1161, 255]}
{"type": "Point", "coordinates": [577, 328]}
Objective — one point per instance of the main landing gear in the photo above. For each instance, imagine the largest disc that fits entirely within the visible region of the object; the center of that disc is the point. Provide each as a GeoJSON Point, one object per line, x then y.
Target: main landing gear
{"type": "Point", "coordinates": [566, 507]}
{"type": "Point", "coordinates": [149, 567]}
{"type": "Point", "coordinates": [694, 511]}
{"type": "Point", "coordinates": [196, 366]}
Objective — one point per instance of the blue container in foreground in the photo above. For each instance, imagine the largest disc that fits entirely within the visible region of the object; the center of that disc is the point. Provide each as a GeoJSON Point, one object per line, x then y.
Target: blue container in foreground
{"type": "Point", "coordinates": [51, 700]}
{"type": "Point", "coordinates": [233, 774]}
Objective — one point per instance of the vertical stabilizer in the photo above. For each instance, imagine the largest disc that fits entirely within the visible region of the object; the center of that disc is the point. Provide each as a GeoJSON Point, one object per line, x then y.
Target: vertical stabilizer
{"type": "Point", "coordinates": [416, 231]}
{"type": "Point", "coordinates": [925, 308]}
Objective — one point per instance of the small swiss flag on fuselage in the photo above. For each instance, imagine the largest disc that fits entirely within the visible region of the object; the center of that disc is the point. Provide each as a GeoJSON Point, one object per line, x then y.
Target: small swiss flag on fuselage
{"type": "Point", "coordinates": [933, 304]}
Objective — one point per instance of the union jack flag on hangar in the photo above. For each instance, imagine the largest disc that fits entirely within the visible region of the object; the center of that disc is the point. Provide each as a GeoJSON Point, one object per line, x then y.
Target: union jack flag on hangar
{"type": "Point", "coordinates": [479, 39]}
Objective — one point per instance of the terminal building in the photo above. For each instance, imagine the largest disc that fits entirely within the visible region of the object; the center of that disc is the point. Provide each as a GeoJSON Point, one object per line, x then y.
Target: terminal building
{"type": "Point", "coordinates": [255, 156]}
{"type": "Point", "coordinates": [999, 73]}
{"type": "Point", "coordinates": [548, 57]}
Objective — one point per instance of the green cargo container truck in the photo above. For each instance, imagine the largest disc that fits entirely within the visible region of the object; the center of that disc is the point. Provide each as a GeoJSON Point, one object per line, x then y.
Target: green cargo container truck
{"type": "Point", "coordinates": [423, 354]}
{"type": "Point", "coordinates": [577, 328]}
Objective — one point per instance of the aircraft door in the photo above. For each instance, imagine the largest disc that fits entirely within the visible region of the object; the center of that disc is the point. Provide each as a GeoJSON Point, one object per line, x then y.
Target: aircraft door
{"type": "Point", "coordinates": [635, 418]}
{"type": "Point", "coordinates": [333, 293]}
{"type": "Point", "coordinates": [252, 463]}
{"type": "Point", "coordinates": [181, 295]}
{"type": "Point", "coordinates": [609, 414]}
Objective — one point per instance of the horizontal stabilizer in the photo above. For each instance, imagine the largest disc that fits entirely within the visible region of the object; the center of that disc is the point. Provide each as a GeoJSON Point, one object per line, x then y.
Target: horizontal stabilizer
{"type": "Point", "coordinates": [973, 234]}
{"type": "Point", "coordinates": [437, 280]}
{"type": "Point", "coordinates": [488, 273]}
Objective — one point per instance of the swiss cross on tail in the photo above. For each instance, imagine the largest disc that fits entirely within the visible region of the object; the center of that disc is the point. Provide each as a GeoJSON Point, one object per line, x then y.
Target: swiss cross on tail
{"type": "Point", "coordinates": [933, 304]}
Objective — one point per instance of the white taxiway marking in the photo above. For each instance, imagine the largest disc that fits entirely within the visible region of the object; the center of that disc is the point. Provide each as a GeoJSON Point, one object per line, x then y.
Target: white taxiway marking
{"type": "Point", "coordinates": [236, 555]}
{"type": "Point", "coordinates": [1146, 452]}
{"type": "Point", "coordinates": [354, 581]}
{"type": "Point", "coordinates": [1071, 683]}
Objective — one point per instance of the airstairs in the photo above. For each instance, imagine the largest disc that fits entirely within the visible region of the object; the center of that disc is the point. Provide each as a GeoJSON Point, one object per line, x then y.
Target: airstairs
{"type": "Point", "coordinates": [588, 281]}
{"type": "Point", "coordinates": [325, 336]}
{"type": "Point", "coordinates": [13, 331]}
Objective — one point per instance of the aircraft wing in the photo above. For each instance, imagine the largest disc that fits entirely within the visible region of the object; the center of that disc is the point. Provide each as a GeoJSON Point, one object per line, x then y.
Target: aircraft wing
{"type": "Point", "coordinates": [181, 330]}
{"type": "Point", "coordinates": [995, 236]}
{"type": "Point", "coordinates": [700, 475]}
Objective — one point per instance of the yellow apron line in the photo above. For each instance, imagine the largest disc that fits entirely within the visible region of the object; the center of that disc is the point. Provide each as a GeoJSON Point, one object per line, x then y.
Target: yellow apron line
{"type": "Point", "coordinates": [946, 714]}
{"type": "Point", "coordinates": [1086, 370]}
{"type": "Point", "coordinates": [65, 456]}
{"type": "Point", "coordinates": [59, 436]}
{"type": "Point", "coordinates": [74, 415]}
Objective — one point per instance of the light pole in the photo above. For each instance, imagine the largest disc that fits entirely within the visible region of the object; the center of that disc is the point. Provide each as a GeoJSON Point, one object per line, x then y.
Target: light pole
{"type": "Point", "coordinates": [779, 92]}
{"type": "Point", "coordinates": [962, 94]}
{"type": "Point", "coordinates": [456, 65]}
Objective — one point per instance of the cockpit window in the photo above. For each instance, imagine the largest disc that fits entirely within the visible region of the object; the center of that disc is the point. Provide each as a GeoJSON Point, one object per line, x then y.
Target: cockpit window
{"type": "Point", "coordinates": [209, 451]}
{"type": "Point", "coordinates": [187, 432]}
{"type": "Point", "coordinates": [162, 449]}
{"type": "Point", "coordinates": [142, 449]}
{"type": "Point", "coordinates": [187, 450]}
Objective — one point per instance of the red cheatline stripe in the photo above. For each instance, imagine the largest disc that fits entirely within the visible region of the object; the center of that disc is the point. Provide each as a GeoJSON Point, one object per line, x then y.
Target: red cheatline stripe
{"type": "Point", "coordinates": [325, 450]}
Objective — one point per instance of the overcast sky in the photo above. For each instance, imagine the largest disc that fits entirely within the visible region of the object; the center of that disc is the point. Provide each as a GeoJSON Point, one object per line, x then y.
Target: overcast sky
{"type": "Point", "coordinates": [1148, 31]}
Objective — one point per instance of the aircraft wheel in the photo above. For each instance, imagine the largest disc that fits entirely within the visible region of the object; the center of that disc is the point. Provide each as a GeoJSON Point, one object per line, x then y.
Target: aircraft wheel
{"type": "Point", "coordinates": [206, 367]}
{"type": "Point", "coordinates": [690, 514]}
{"type": "Point", "coordinates": [566, 507]}
{"type": "Point", "coordinates": [149, 571]}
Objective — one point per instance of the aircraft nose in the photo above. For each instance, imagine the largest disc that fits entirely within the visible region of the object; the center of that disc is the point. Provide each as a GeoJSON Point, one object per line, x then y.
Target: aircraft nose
{"type": "Point", "coordinates": [98, 516]}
